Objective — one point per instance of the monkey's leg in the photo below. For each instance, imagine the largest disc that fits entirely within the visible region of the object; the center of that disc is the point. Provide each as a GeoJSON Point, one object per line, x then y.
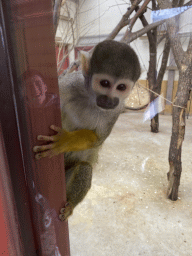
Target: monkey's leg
{"type": "Point", "coordinates": [78, 180]}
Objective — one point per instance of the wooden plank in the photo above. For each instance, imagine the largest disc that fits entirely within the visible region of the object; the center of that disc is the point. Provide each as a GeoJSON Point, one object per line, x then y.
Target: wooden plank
{"type": "Point", "coordinates": [37, 103]}
{"type": "Point", "coordinates": [14, 192]}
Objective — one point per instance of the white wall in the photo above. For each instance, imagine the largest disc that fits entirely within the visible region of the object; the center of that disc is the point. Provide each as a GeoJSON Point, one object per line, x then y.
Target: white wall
{"type": "Point", "coordinates": [64, 30]}
{"type": "Point", "coordinates": [67, 31]}
{"type": "Point", "coordinates": [97, 18]}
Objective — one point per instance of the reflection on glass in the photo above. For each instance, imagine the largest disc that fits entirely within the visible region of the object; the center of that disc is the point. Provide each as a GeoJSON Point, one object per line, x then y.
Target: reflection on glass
{"type": "Point", "coordinates": [47, 229]}
{"type": "Point", "coordinates": [35, 90]}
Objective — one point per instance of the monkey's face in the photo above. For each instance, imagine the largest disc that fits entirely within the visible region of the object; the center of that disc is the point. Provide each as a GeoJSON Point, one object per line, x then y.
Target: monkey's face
{"type": "Point", "coordinates": [110, 91]}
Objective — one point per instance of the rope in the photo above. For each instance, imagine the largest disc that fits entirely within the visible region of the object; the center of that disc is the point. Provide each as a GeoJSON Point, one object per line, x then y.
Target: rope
{"type": "Point", "coordinates": [161, 97]}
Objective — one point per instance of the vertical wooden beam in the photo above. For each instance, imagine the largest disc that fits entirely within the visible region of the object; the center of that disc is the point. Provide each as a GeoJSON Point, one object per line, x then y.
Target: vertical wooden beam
{"type": "Point", "coordinates": [35, 89]}
{"type": "Point", "coordinates": [10, 231]}
{"type": "Point", "coordinates": [14, 192]}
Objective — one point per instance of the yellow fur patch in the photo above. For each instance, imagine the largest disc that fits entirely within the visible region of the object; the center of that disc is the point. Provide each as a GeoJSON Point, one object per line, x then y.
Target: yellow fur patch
{"type": "Point", "coordinates": [76, 140]}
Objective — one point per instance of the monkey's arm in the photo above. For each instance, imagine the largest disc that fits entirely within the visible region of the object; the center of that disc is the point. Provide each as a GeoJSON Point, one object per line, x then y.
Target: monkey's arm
{"type": "Point", "coordinates": [65, 142]}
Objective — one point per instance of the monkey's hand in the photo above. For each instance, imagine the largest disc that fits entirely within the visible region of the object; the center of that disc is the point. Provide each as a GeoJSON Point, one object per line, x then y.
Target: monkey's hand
{"type": "Point", "coordinates": [65, 141]}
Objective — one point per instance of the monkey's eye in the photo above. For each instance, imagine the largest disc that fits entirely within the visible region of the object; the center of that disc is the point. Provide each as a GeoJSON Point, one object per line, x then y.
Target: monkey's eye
{"type": "Point", "coordinates": [121, 87]}
{"type": "Point", "coordinates": [105, 83]}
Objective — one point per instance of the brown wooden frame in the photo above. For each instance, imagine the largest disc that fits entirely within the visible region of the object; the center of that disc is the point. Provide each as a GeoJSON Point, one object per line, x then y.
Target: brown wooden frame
{"type": "Point", "coordinates": [29, 104]}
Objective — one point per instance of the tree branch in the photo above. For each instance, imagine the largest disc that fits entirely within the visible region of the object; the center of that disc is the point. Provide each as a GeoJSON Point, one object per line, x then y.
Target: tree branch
{"type": "Point", "coordinates": [124, 20]}
{"type": "Point", "coordinates": [172, 32]}
{"type": "Point", "coordinates": [189, 3]}
{"type": "Point", "coordinates": [56, 13]}
{"type": "Point", "coordinates": [160, 39]}
{"type": "Point", "coordinates": [141, 32]}
{"type": "Point", "coordinates": [145, 24]}
{"type": "Point", "coordinates": [189, 48]}
{"type": "Point", "coordinates": [181, 3]}
{"type": "Point", "coordinates": [138, 14]}
{"type": "Point", "coordinates": [175, 3]}
{"type": "Point", "coordinates": [167, 47]}
{"type": "Point", "coordinates": [129, 36]}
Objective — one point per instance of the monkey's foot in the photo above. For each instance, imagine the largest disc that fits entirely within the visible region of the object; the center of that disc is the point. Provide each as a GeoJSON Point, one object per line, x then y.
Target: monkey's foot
{"type": "Point", "coordinates": [65, 212]}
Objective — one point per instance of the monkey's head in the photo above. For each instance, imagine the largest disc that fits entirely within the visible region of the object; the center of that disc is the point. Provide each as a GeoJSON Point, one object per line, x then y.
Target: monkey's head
{"type": "Point", "coordinates": [111, 72]}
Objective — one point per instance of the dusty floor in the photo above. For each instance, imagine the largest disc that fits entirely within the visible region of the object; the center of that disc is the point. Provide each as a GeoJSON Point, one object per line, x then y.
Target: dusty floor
{"type": "Point", "coordinates": [126, 212]}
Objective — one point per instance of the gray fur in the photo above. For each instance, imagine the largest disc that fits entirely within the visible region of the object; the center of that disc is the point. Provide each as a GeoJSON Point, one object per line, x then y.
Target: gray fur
{"type": "Point", "coordinates": [79, 111]}
{"type": "Point", "coordinates": [116, 59]}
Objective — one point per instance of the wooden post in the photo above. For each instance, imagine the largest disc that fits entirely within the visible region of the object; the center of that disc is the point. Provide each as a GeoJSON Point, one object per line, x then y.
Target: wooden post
{"type": "Point", "coordinates": [30, 39]}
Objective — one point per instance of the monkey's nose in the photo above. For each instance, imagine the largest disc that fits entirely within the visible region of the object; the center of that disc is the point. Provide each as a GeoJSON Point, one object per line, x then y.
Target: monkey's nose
{"type": "Point", "coordinates": [105, 102]}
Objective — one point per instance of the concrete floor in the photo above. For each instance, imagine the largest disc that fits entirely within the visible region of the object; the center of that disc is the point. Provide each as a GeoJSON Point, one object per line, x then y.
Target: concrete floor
{"type": "Point", "coordinates": [126, 212]}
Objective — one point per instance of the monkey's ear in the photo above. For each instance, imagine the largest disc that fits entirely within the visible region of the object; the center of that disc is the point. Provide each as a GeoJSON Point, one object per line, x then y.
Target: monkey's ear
{"type": "Point", "coordinates": [85, 60]}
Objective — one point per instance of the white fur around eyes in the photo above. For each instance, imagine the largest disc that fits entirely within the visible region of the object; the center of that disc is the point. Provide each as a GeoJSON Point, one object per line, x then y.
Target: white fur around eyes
{"type": "Point", "coordinates": [112, 91]}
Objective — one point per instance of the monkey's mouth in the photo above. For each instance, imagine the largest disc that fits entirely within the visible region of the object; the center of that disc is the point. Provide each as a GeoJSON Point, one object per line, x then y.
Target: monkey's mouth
{"type": "Point", "coordinates": [105, 102]}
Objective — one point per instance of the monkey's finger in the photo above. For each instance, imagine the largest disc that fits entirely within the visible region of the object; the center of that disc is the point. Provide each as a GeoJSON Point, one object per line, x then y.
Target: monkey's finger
{"type": "Point", "coordinates": [62, 217]}
{"type": "Point", "coordinates": [55, 128]}
{"type": "Point", "coordinates": [46, 138]}
{"type": "Point", "coordinates": [62, 210]}
{"type": "Point", "coordinates": [43, 148]}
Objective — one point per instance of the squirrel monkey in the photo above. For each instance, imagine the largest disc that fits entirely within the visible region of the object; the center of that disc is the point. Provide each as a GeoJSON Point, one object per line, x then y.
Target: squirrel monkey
{"type": "Point", "coordinates": [91, 101]}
